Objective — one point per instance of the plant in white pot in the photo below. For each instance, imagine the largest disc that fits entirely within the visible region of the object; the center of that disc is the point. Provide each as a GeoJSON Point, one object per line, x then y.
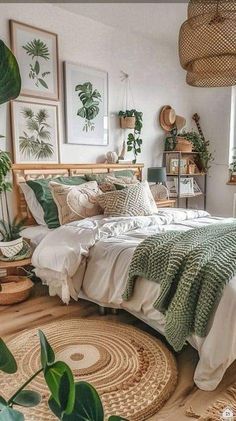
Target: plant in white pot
{"type": "Point", "coordinates": [10, 84]}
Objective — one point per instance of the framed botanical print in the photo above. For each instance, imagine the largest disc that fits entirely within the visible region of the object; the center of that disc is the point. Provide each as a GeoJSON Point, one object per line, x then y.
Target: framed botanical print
{"type": "Point", "coordinates": [86, 100]}
{"type": "Point", "coordinates": [36, 51]}
{"type": "Point", "coordinates": [34, 132]}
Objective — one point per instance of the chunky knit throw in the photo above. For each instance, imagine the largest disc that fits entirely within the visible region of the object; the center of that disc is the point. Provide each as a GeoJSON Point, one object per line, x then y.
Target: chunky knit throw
{"type": "Point", "coordinates": [192, 268]}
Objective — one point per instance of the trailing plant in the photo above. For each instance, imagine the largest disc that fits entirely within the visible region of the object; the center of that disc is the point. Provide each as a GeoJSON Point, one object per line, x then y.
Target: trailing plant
{"type": "Point", "coordinates": [36, 142]}
{"type": "Point", "coordinates": [90, 99]}
{"type": "Point", "coordinates": [69, 400]}
{"type": "Point", "coordinates": [134, 141]}
{"type": "Point", "coordinates": [202, 147]}
{"type": "Point", "coordinates": [39, 50]}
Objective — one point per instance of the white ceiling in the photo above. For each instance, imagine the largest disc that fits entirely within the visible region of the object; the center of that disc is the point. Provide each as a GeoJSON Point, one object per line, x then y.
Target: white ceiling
{"type": "Point", "coordinates": [157, 20]}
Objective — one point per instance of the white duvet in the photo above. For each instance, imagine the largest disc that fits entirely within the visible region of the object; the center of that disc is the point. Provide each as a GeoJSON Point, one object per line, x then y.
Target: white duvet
{"type": "Point", "coordinates": [91, 258]}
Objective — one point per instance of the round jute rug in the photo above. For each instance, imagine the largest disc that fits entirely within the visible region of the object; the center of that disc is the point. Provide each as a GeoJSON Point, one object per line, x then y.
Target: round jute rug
{"type": "Point", "coordinates": [133, 372]}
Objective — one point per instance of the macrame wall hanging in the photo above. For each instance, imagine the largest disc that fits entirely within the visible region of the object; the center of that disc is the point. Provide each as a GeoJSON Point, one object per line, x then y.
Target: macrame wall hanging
{"type": "Point", "coordinates": [207, 43]}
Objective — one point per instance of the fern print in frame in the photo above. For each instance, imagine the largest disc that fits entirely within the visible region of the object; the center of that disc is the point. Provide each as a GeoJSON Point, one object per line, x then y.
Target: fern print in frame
{"type": "Point", "coordinates": [35, 132]}
{"type": "Point", "coordinates": [86, 100]}
{"type": "Point", "coordinates": [90, 104]}
{"type": "Point", "coordinates": [37, 53]}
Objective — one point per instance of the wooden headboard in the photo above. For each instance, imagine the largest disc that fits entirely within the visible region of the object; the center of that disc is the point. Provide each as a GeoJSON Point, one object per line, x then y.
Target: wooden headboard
{"type": "Point", "coordinates": [24, 172]}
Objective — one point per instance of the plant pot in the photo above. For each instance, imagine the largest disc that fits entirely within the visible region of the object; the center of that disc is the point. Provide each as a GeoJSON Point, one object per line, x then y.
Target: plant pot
{"type": "Point", "coordinates": [127, 122]}
{"type": "Point", "coordinates": [11, 248]}
{"type": "Point", "coordinates": [183, 145]}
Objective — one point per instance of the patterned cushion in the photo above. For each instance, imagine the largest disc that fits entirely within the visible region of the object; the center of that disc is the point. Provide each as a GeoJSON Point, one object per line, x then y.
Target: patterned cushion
{"type": "Point", "coordinates": [132, 201]}
{"type": "Point", "coordinates": [76, 202]}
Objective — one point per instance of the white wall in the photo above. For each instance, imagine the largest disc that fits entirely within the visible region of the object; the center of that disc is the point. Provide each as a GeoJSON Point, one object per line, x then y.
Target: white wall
{"type": "Point", "coordinates": [156, 79]}
{"type": "Point", "coordinates": [155, 76]}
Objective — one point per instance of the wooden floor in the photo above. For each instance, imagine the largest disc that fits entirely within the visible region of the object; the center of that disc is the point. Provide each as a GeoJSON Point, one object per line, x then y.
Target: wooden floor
{"type": "Point", "coordinates": [41, 308]}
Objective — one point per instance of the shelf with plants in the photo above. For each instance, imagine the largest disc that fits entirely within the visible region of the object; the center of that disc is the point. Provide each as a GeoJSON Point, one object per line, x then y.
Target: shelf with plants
{"type": "Point", "coordinates": [192, 161]}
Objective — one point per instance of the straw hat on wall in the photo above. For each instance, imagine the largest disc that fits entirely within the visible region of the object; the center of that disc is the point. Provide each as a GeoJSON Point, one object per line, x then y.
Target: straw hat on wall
{"type": "Point", "coordinates": [169, 119]}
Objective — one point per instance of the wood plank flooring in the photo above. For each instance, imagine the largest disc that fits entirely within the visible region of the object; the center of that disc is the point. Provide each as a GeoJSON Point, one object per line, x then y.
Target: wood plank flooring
{"type": "Point", "coordinates": [41, 308]}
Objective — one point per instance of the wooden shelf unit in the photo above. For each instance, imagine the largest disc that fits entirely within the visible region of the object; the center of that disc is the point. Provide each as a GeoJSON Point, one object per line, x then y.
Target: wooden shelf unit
{"type": "Point", "coordinates": [194, 157]}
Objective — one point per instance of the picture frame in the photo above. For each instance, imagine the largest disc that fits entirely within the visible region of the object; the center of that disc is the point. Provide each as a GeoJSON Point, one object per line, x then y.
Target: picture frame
{"type": "Point", "coordinates": [86, 105]}
{"type": "Point", "coordinates": [174, 166]}
{"type": "Point", "coordinates": [35, 132]}
{"type": "Point", "coordinates": [36, 51]}
{"type": "Point", "coordinates": [170, 184]}
{"type": "Point", "coordinates": [186, 186]}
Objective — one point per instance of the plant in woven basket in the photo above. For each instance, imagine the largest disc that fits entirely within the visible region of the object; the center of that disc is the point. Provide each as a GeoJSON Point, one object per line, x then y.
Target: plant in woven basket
{"type": "Point", "coordinates": [134, 141]}
{"type": "Point", "coordinates": [202, 147]}
{"type": "Point", "coordinates": [69, 400]}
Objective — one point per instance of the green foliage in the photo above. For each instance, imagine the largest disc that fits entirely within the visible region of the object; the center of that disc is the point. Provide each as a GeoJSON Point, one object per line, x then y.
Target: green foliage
{"type": "Point", "coordinates": [7, 361]}
{"type": "Point", "coordinates": [37, 49]}
{"type": "Point", "coordinates": [202, 147]}
{"type": "Point", "coordinates": [170, 140]}
{"type": "Point", "coordinates": [35, 142]}
{"type": "Point", "coordinates": [90, 100]}
{"type": "Point", "coordinates": [69, 400]}
{"type": "Point", "coordinates": [134, 141]}
{"type": "Point", "coordinates": [27, 398]}
{"type": "Point", "coordinates": [11, 230]}
{"type": "Point", "coordinates": [10, 80]}
{"type": "Point", "coordinates": [5, 167]}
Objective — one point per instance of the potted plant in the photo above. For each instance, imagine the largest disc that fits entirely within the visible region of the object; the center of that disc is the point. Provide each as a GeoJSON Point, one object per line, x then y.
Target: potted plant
{"type": "Point", "coordinates": [10, 85]}
{"type": "Point", "coordinates": [232, 170]}
{"type": "Point", "coordinates": [134, 141]}
{"type": "Point", "coordinates": [69, 400]}
{"type": "Point", "coordinates": [201, 146]}
{"type": "Point", "coordinates": [127, 119]}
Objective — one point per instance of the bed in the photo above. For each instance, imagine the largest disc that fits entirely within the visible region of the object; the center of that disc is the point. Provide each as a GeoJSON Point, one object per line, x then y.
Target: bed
{"type": "Point", "coordinates": [90, 259]}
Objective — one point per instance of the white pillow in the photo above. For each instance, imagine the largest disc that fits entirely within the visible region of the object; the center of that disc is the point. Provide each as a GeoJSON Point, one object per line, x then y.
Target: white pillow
{"type": "Point", "coordinates": [32, 203]}
{"type": "Point", "coordinates": [150, 196]}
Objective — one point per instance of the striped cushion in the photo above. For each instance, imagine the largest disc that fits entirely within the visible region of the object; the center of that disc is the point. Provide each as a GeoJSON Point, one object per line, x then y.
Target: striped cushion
{"type": "Point", "coordinates": [132, 201]}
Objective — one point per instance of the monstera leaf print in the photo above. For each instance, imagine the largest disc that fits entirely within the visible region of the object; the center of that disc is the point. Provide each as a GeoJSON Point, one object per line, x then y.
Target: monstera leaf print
{"type": "Point", "coordinates": [90, 104]}
{"type": "Point", "coordinates": [38, 51]}
{"type": "Point", "coordinates": [35, 142]}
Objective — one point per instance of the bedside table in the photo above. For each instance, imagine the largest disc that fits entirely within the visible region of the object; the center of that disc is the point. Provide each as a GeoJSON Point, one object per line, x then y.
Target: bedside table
{"type": "Point", "coordinates": [166, 203]}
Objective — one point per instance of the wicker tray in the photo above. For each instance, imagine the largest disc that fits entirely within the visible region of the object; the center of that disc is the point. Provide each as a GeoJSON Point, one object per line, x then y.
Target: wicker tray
{"type": "Point", "coordinates": [14, 289]}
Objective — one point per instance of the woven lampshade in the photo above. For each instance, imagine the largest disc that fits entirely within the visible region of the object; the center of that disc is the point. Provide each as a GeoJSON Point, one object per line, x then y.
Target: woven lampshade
{"type": "Point", "coordinates": [207, 43]}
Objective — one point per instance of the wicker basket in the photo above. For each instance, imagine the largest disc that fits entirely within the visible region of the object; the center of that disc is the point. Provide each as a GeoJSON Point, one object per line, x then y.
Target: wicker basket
{"type": "Point", "coordinates": [14, 289]}
{"type": "Point", "coordinates": [183, 145]}
{"type": "Point", "coordinates": [127, 122]}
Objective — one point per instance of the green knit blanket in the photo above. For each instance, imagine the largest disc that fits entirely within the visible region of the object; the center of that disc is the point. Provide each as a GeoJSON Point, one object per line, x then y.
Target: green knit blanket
{"type": "Point", "coordinates": [192, 268]}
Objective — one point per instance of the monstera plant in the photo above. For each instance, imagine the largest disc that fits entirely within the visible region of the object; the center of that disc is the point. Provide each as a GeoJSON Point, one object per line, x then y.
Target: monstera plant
{"type": "Point", "coordinates": [69, 400]}
{"type": "Point", "coordinates": [10, 85]}
{"type": "Point", "coordinates": [90, 99]}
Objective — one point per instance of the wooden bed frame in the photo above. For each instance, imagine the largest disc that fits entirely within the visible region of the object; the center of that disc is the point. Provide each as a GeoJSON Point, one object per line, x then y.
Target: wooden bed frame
{"type": "Point", "coordinates": [24, 172]}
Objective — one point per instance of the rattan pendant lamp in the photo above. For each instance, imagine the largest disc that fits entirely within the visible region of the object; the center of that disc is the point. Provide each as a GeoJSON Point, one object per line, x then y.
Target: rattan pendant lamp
{"type": "Point", "coordinates": [207, 43]}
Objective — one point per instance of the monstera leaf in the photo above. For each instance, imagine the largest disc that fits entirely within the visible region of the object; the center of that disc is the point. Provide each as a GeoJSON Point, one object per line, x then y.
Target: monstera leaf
{"type": "Point", "coordinates": [10, 80]}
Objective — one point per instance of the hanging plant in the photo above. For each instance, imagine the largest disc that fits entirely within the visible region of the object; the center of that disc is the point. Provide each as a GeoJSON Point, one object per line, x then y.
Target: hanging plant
{"type": "Point", "coordinates": [134, 141]}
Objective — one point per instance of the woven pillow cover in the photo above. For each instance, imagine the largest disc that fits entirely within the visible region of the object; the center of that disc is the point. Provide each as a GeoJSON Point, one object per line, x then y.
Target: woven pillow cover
{"type": "Point", "coordinates": [132, 201]}
{"type": "Point", "coordinates": [76, 202]}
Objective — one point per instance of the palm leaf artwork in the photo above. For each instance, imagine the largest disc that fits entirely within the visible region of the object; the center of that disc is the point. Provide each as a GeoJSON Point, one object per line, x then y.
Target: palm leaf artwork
{"type": "Point", "coordinates": [10, 80]}
{"type": "Point", "coordinates": [90, 104]}
{"type": "Point", "coordinates": [35, 142]}
{"type": "Point", "coordinates": [37, 49]}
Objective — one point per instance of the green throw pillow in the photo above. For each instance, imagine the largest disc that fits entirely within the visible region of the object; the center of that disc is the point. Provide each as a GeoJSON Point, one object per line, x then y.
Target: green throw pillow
{"type": "Point", "coordinates": [100, 178]}
{"type": "Point", "coordinates": [44, 197]}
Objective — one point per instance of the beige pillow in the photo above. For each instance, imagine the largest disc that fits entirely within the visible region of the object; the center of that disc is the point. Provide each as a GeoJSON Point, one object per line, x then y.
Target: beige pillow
{"type": "Point", "coordinates": [132, 201]}
{"type": "Point", "coordinates": [122, 181]}
{"type": "Point", "coordinates": [76, 202]}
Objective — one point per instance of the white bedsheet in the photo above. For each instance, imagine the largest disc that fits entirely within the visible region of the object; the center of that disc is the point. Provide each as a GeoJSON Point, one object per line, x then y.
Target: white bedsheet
{"type": "Point", "coordinates": [108, 244]}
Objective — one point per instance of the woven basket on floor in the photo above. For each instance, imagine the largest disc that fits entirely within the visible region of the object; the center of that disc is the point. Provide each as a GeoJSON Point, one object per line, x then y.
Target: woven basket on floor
{"type": "Point", "coordinates": [207, 43]}
{"type": "Point", "coordinates": [14, 289]}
